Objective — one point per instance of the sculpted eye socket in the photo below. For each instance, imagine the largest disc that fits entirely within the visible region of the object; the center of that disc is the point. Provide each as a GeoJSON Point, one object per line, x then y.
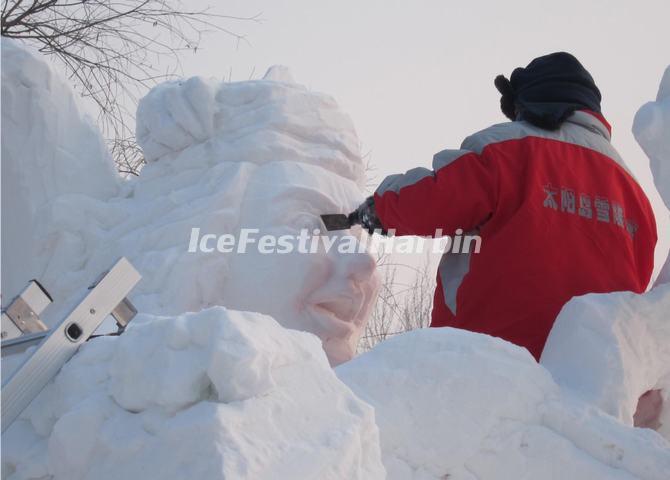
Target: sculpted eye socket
{"type": "Point", "coordinates": [304, 221]}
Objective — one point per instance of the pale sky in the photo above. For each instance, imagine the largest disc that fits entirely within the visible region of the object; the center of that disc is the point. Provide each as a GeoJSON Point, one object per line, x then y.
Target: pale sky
{"type": "Point", "coordinates": [417, 76]}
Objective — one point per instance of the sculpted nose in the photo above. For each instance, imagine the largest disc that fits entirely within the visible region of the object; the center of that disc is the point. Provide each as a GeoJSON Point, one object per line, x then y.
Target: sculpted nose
{"type": "Point", "coordinates": [359, 266]}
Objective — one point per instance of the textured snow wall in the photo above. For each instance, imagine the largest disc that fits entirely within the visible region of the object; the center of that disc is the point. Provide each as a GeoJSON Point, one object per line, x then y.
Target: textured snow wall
{"type": "Point", "coordinates": [49, 149]}
{"type": "Point", "coordinates": [464, 406]}
{"type": "Point", "coordinates": [210, 395]}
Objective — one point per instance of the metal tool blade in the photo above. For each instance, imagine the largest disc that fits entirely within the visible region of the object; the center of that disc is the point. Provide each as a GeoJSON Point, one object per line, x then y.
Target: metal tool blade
{"type": "Point", "coordinates": [336, 221]}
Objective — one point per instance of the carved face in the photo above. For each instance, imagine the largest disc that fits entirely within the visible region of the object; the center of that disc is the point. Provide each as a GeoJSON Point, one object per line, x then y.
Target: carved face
{"type": "Point", "coordinates": [268, 155]}
{"type": "Point", "coordinates": [328, 293]}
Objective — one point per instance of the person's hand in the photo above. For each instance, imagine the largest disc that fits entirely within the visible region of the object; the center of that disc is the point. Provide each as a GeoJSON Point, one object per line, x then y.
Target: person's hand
{"type": "Point", "coordinates": [366, 216]}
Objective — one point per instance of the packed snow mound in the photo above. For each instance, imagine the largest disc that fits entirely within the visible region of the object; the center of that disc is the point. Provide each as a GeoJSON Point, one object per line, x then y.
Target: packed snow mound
{"type": "Point", "coordinates": [612, 348]}
{"type": "Point", "coordinates": [266, 154]}
{"type": "Point", "coordinates": [460, 405]}
{"type": "Point", "coordinates": [218, 394]}
{"type": "Point", "coordinates": [50, 148]}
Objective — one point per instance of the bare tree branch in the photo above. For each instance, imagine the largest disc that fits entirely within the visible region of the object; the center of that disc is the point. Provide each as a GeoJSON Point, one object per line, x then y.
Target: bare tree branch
{"type": "Point", "coordinates": [113, 50]}
{"type": "Point", "coordinates": [399, 310]}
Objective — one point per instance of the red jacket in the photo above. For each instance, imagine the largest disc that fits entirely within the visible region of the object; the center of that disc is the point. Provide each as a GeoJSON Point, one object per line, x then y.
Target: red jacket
{"type": "Point", "coordinates": [558, 214]}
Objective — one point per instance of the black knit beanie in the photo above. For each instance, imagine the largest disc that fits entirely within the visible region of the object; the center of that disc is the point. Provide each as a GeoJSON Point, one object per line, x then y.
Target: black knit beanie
{"type": "Point", "coordinates": [548, 90]}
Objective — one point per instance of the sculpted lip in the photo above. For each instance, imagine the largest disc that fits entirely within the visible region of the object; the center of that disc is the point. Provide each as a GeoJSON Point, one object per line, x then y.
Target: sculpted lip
{"type": "Point", "coordinates": [340, 312]}
{"type": "Point", "coordinates": [344, 308]}
{"type": "Point", "coordinates": [330, 324]}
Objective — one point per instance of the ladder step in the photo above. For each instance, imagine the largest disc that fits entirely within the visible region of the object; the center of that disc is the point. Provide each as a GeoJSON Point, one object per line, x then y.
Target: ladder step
{"type": "Point", "coordinates": [58, 345]}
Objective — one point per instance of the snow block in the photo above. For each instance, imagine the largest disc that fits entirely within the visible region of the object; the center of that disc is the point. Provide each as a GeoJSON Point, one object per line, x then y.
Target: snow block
{"type": "Point", "coordinates": [611, 348]}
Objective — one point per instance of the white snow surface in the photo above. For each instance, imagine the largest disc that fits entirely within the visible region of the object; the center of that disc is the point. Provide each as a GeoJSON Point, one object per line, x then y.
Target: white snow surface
{"type": "Point", "coordinates": [214, 394]}
{"type": "Point", "coordinates": [196, 390]}
{"type": "Point", "coordinates": [460, 405]}
{"type": "Point", "coordinates": [50, 149]}
{"type": "Point", "coordinates": [611, 348]}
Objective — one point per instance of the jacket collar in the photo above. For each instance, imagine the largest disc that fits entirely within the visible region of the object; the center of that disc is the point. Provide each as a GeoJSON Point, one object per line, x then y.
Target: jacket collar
{"type": "Point", "coordinates": [593, 121]}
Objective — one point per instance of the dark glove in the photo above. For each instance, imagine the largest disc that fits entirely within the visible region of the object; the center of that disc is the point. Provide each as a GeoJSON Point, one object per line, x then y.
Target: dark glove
{"type": "Point", "coordinates": [366, 216]}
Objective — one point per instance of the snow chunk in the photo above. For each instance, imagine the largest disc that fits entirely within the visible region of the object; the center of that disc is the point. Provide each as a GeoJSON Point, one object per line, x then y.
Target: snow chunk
{"type": "Point", "coordinates": [612, 348]}
{"type": "Point", "coordinates": [195, 360]}
{"type": "Point", "coordinates": [175, 115]}
{"type": "Point", "coordinates": [451, 403]}
{"type": "Point", "coordinates": [217, 394]}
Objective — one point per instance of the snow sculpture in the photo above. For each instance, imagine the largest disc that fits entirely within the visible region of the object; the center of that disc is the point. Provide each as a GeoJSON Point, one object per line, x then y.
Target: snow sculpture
{"type": "Point", "coordinates": [266, 154]}
{"type": "Point", "coordinates": [652, 131]}
{"type": "Point", "coordinates": [213, 394]}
